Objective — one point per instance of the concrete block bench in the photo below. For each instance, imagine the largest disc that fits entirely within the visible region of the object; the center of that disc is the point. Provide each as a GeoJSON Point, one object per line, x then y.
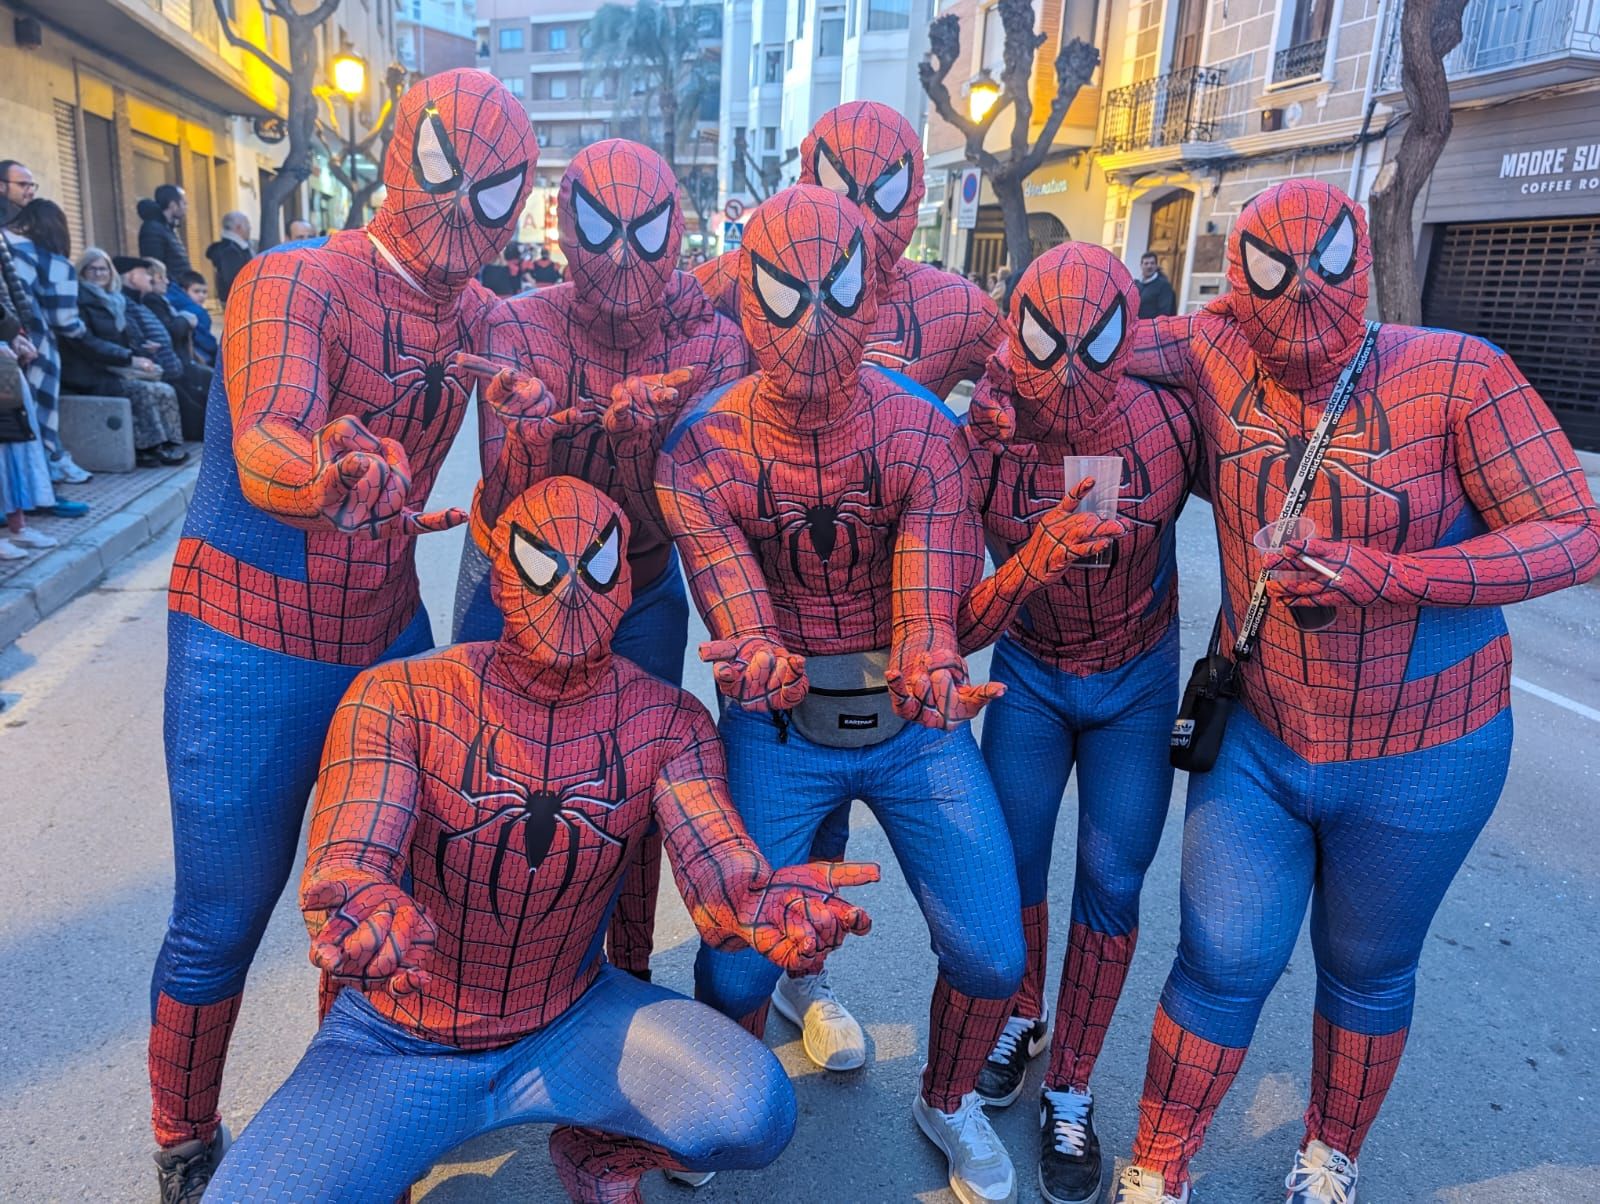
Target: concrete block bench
{"type": "Point", "coordinates": [98, 431]}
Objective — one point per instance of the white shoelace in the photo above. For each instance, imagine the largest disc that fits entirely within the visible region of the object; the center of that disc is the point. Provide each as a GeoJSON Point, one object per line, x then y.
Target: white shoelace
{"type": "Point", "coordinates": [1072, 1116]}
{"type": "Point", "coordinates": [973, 1130]}
{"type": "Point", "coordinates": [1006, 1047]}
{"type": "Point", "coordinates": [1327, 1182]}
{"type": "Point", "coordinates": [820, 992]}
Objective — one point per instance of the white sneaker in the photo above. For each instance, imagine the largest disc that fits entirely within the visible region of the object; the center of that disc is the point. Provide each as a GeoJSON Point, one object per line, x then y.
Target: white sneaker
{"type": "Point", "coordinates": [64, 469]}
{"type": "Point", "coordinates": [10, 551]}
{"type": "Point", "coordinates": [829, 1033]}
{"type": "Point", "coordinates": [691, 1178]}
{"type": "Point", "coordinates": [30, 537]}
{"type": "Point", "coordinates": [1136, 1185]}
{"type": "Point", "coordinates": [1321, 1175]}
{"type": "Point", "coordinates": [980, 1168]}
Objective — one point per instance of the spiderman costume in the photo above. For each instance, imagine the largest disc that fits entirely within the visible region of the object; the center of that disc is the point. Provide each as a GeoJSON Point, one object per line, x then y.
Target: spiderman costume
{"type": "Point", "coordinates": [626, 346]}
{"type": "Point", "coordinates": [934, 326]}
{"type": "Point", "coordinates": [1089, 662]}
{"type": "Point", "coordinates": [1375, 730]}
{"type": "Point", "coordinates": [333, 411]}
{"type": "Point", "coordinates": [474, 819]}
{"type": "Point", "coordinates": [820, 510]}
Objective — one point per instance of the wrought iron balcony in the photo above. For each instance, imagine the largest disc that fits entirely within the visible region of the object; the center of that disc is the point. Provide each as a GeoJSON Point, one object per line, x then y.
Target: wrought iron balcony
{"type": "Point", "coordinates": [1506, 35]}
{"type": "Point", "coordinates": [1299, 62]}
{"type": "Point", "coordinates": [1169, 110]}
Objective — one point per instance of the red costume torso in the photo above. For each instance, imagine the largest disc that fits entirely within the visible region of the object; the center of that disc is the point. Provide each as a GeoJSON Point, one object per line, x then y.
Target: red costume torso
{"type": "Point", "coordinates": [315, 334]}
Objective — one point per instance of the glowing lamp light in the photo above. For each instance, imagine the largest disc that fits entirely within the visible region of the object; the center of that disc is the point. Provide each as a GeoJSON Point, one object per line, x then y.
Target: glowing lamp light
{"type": "Point", "coordinates": [982, 92]}
{"type": "Point", "coordinates": [350, 75]}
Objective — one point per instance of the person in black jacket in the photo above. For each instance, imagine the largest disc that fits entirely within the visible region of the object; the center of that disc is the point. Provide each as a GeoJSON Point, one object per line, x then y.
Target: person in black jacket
{"type": "Point", "coordinates": [229, 253]}
{"type": "Point", "coordinates": [1156, 296]}
{"type": "Point", "coordinates": [111, 357]}
{"type": "Point", "coordinates": [193, 378]}
{"type": "Point", "coordinates": [158, 235]}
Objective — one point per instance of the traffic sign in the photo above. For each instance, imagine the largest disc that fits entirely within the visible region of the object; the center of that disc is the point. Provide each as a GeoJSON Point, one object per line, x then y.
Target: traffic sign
{"type": "Point", "coordinates": [733, 209]}
{"type": "Point", "coordinates": [732, 235]}
{"type": "Point", "coordinates": [967, 206]}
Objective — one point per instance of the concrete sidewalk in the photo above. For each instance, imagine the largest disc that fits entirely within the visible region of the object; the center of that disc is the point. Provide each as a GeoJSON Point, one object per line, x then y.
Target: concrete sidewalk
{"type": "Point", "coordinates": [128, 510]}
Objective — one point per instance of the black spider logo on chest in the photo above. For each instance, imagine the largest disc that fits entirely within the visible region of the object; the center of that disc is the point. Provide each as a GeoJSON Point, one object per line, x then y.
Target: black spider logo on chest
{"type": "Point", "coordinates": [532, 815]}
{"type": "Point", "coordinates": [821, 523]}
{"type": "Point", "coordinates": [420, 384]}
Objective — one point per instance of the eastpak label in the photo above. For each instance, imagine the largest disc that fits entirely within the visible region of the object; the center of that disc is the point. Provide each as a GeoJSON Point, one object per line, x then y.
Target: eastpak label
{"type": "Point", "coordinates": [857, 722]}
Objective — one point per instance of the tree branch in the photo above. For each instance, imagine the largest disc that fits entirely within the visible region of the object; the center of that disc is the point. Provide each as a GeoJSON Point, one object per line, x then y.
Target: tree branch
{"type": "Point", "coordinates": [1075, 67]}
{"type": "Point", "coordinates": [250, 48]}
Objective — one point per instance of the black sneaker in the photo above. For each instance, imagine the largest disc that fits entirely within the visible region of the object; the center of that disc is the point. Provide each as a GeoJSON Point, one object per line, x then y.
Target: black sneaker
{"type": "Point", "coordinates": [1069, 1151]}
{"type": "Point", "coordinates": [1000, 1080]}
{"type": "Point", "coordinates": [184, 1170]}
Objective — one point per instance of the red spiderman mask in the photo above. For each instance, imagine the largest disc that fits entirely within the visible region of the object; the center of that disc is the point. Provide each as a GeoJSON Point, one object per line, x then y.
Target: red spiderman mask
{"type": "Point", "coordinates": [807, 304]}
{"type": "Point", "coordinates": [868, 153]}
{"type": "Point", "coordinates": [1298, 269]}
{"type": "Point", "coordinates": [1072, 312]}
{"type": "Point", "coordinates": [560, 576]}
{"type": "Point", "coordinates": [620, 230]}
{"type": "Point", "coordinates": [458, 171]}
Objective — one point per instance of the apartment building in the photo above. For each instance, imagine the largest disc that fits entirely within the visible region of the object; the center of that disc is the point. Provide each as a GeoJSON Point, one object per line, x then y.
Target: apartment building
{"type": "Point", "coordinates": [535, 47]}
{"type": "Point", "coordinates": [435, 35]}
{"type": "Point", "coordinates": [1210, 101]}
{"type": "Point", "coordinates": [1066, 195]}
{"type": "Point", "coordinates": [789, 61]}
{"type": "Point", "coordinates": [1510, 220]}
{"type": "Point", "coordinates": [106, 99]}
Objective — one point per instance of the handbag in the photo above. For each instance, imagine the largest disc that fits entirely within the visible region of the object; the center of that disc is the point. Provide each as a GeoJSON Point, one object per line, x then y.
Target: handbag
{"type": "Point", "coordinates": [1213, 685]}
{"type": "Point", "coordinates": [848, 704]}
{"type": "Point", "coordinates": [14, 424]}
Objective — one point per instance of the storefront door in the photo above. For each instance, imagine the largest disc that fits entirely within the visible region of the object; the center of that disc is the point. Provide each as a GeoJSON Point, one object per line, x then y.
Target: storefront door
{"type": "Point", "coordinates": [1169, 236]}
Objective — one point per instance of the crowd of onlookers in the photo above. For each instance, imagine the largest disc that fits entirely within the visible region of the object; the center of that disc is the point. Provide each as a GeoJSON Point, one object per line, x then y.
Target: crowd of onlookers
{"type": "Point", "coordinates": [131, 326]}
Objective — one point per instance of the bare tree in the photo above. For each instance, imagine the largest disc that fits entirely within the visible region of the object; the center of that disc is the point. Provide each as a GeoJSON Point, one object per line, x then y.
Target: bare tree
{"type": "Point", "coordinates": [301, 76]}
{"type": "Point", "coordinates": [1007, 169]}
{"type": "Point", "coordinates": [344, 160]}
{"type": "Point", "coordinates": [1429, 30]}
{"type": "Point", "coordinates": [761, 180]}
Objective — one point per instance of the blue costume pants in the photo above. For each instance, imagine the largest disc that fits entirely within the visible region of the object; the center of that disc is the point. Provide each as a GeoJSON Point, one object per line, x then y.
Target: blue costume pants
{"type": "Point", "coordinates": [244, 733]}
{"type": "Point", "coordinates": [653, 633]}
{"type": "Point", "coordinates": [371, 1107]}
{"type": "Point", "coordinates": [1114, 727]}
{"type": "Point", "coordinates": [1373, 845]}
{"type": "Point", "coordinates": [932, 795]}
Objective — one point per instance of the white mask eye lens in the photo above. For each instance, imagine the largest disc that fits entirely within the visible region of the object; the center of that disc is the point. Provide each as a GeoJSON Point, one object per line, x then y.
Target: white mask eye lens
{"type": "Point", "coordinates": [1099, 350]}
{"type": "Point", "coordinates": [890, 192]}
{"type": "Point", "coordinates": [601, 566]}
{"type": "Point", "coordinates": [539, 569]}
{"type": "Point", "coordinates": [1042, 344]}
{"type": "Point", "coordinates": [435, 163]}
{"type": "Point", "coordinates": [780, 298]}
{"type": "Point", "coordinates": [1338, 252]}
{"type": "Point", "coordinates": [494, 198]}
{"type": "Point", "coordinates": [830, 176]}
{"type": "Point", "coordinates": [650, 235]}
{"type": "Point", "coordinates": [596, 227]}
{"type": "Point", "coordinates": [843, 288]}
{"type": "Point", "coordinates": [1268, 275]}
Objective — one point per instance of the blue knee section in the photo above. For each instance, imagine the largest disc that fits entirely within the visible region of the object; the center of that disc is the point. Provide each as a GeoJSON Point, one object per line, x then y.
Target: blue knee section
{"type": "Point", "coordinates": [736, 984]}
{"type": "Point", "coordinates": [244, 734]}
{"type": "Point", "coordinates": [1378, 1007]}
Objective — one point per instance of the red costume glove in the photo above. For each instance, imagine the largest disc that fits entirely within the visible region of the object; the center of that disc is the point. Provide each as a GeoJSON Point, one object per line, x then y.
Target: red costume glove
{"type": "Point", "coordinates": [641, 405]}
{"type": "Point", "coordinates": [791, 916]}
{"type": "Point", "coordinates": [992, 416]}
{"type": "Point", "coordinates": [374, 935]}
{"type": "Point", "coordinates": [1062, 535]}
{"type": "Point", "coordinates": [1361, 575]}
{"type": "Point", "coordinates": [931, 688]}
{"type": "Point", "coordinates": [359, 484]}
{"type": "Point", "coordinates": [757, 673]}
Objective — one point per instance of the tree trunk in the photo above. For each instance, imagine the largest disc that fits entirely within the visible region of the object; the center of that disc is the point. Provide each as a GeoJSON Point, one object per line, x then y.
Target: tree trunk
{"type": "Point", "coordinates": [1429, 30]}
{"type": "Point", "coordinates": [1014, 210]}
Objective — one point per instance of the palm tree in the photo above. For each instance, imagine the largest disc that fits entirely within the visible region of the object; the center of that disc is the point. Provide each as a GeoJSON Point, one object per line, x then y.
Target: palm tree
{"type": "Point", "coordinates": [660, 66]}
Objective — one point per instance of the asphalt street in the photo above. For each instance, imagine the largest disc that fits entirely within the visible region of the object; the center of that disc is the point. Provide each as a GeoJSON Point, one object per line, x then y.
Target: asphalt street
{"type": "Point", "coordinates": [1494, 1104]}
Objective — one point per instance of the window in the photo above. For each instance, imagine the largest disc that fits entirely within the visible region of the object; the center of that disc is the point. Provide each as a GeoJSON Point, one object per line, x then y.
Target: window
{"type": "Point", "coordinates": [592, 131]}
{"type": "Point", "coordinates": [515, 85]}
{"type": "Point", "coordinates": [888, 14]}
{"type": "Point", "coordinates": [558, 87]}
{"type": "Point", "coordinates": [755, 70]}
{"type": "Point", "coordinates": [1302, 40]}
{"type": "Point", "coordinates": [558, 38]}
{"type": "Point", "coordinates": [542, 134]}
{"type": "Point", "coordinates": [416, 10]}
{"type": "Point", "coordinates": [788, 55]}
{"type": "Point", "coordinates": [769, 138]}
{"type": "Point", "coordinates": [850, 29]}
{"type": "Point", "coordinates": [774, 67]}
{"type": "Point", "coordinates": [511, 38]}
{"type": "Point", "coordinates": [800, 20]}
{"type": "Point", "coordinates": [830, 37]}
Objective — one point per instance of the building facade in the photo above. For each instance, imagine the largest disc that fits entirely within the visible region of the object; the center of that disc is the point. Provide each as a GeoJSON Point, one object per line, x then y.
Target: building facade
{"type": "Point", "coordinates": [431, 36]}
{"type": "Point", "coordinates": [1509, 224]}
{"type": "Point", "coordinates": [107, 99]}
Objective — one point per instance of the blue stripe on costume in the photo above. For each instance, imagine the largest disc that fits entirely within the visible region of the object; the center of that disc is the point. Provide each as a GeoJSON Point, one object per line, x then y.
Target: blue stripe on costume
{"type": "Point", "coordinates": [700, 410]}
{"type": "Point", "coordinates": [1446, 636]}
{"type": "Point", "coordinates": [910, 386]}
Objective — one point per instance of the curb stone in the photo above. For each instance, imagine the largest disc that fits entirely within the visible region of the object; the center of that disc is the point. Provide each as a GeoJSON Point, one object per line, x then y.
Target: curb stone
{"type": "Point", "coordinates": [80, 564]}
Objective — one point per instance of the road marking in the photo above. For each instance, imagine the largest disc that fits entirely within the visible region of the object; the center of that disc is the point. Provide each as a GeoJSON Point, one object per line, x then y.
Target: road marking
{"type": "Point", "coordinates": [1561, 700]}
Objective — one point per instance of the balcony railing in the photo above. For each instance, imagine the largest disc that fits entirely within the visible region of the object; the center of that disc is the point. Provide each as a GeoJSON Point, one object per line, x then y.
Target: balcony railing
{"type": "Point", "coordinates": [1169, 110]}
{"type": "Point", "coordinates": [1299, 62]}
{"type": "Point", "coordinates": [1501, 34]}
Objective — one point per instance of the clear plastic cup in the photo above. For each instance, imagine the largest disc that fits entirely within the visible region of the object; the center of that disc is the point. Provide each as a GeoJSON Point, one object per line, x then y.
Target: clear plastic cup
{"type": "Point", "coordinates": [1102, 500]}
{"type": "Point", "coordinates": [1279, 532]}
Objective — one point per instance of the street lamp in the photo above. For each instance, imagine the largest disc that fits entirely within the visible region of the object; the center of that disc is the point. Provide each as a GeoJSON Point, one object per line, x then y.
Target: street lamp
{"type": "Point", "coordinates": [349, 75]}
{"type": "Point", "coordinates": [982, 92]}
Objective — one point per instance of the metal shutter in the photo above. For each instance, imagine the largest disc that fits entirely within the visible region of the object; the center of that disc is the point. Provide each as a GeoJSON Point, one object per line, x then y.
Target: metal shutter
{"type": "Point", "coordinates": [1533, 288]}
{"type": "Point", "coordinates": [70, 197]}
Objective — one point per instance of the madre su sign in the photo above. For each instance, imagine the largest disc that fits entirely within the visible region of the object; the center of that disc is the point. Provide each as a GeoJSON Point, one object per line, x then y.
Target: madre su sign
{"type": "Point", "coordinates": [1574, 168]}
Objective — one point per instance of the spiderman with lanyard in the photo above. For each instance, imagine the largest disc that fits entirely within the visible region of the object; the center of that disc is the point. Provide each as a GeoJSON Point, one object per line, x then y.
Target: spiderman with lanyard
{"type": "Point", "coordinates": [476, 812]}
{"type": "Point", "coordinates": [621, 350]}
{"type": "Point", "coordinates": [1375, 731]}
{"type": "Point", "coordinates": [334, 408]}
{"type": "Point", "coordinates": [935, 327]}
